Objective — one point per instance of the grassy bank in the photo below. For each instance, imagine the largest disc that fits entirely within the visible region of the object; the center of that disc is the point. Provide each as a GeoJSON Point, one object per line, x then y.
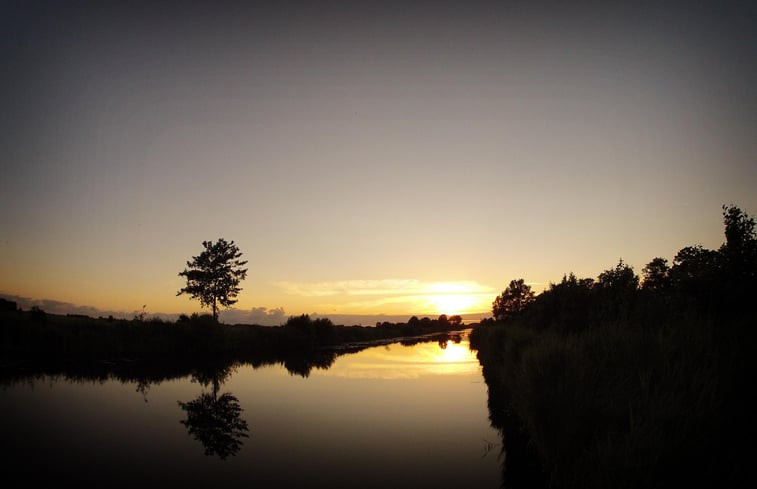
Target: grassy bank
{"type": "Point", "coordinates": [624, 406]}
{"type": "Point", "coordinates": [622, 382]}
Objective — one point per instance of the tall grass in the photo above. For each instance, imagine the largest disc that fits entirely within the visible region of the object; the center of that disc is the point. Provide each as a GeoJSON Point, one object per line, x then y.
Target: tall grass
{"type": "Point", "coordinates": [620, 405]}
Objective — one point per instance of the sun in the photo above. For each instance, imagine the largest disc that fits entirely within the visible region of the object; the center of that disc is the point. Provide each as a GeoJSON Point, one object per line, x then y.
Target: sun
{"type": "Point", "coordinates": [451, 304]}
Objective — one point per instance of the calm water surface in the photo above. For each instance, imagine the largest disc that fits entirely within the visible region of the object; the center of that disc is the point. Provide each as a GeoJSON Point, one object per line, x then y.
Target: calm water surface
{"type": "Point", "coordinates": [388, 416]}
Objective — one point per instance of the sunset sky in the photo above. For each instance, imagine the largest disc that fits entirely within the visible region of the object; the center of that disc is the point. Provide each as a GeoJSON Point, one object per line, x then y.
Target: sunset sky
{"type": "Point", "coordinates": [367, 158]}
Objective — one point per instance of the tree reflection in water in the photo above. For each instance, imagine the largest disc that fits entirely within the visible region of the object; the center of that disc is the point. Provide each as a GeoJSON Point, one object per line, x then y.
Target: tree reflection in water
{"type": "Point", "coordinates": [215, 420]}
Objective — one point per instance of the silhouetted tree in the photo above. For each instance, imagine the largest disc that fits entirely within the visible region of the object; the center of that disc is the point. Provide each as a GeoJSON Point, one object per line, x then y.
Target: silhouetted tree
{"type": "Point", "coordinates": [213, 276]}
{"type": "Point", "coordinates": [7, 306]}
{"type": "Point", "coordinates": [738, 257]}
{"type": "Point", "coordinates": [455, 320]}
{"type": "Point", "coordinates": [301, 323]}
{"type": "Point", "coordinates": [694, 263]}
{"type": "Point", "coordinates": [566, 305]}
{"type": "Point", "coordinates": [740, 248]}
{"type": "Point", "coordinates": [615, 291]}
{"type": "Point", "coordinates": [695, 278]}
{"type": "Point", "coordinates": [739, 230]}
{"type": "Point", "coordinates": [656, 274]}
{"type": "Point", "coordinates": [513, 301]}
{"type": "Point", "coordinates": [38, 315]}
{"type": "Point", "coordinates": [319, 330]}
{"type": "Point", "coordinates": [620, 278]}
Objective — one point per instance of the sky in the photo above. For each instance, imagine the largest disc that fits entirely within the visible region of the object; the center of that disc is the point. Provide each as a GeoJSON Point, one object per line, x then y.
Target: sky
{"type": "Point", "coordinates": [367, 158]}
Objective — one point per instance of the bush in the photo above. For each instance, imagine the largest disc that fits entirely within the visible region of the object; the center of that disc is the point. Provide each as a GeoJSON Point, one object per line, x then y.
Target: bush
{"type": "Point", "coordinates": [38, 315]}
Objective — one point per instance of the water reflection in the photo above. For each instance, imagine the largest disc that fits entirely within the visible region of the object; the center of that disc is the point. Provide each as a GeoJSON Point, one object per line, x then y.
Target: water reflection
{"type": "Point", "coordinates": [216, 422]}
{"type": "Point", "coordinates": [213, 420]}
{"type": "Point", "coordinates": [411, 359]}
{"type": "Point", "coordinates": [229, 421]}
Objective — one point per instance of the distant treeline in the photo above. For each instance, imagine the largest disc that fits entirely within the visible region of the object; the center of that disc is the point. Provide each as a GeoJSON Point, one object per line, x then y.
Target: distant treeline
{"type": "Point", "coordinates": [626, 382]}
{"type": "Point", "coordinates": [34, 337]}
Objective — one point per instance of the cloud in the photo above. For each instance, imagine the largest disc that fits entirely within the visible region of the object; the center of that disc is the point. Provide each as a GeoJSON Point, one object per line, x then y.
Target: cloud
{"type": "Point", "coordinates": [405, 291]}
{"type": "Point", "coordinates": [257, 315]}
{"type": "Point", "coordinates": [60, 307]}
{"type": "Point", "coordinates": [394, 296]}
{"type": "Point", "coordinates": [386, 287]}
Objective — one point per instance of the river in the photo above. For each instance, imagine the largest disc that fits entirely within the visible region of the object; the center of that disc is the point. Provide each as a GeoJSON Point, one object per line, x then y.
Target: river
{"type": "Point", "coordinates": [386, 416]}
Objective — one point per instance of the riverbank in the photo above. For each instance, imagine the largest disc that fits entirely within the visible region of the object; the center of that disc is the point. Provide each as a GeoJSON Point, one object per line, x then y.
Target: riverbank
{"type": "Point", "coordinates": [618, 405]}
{"type": "Point", "coordinates": [30, 339]}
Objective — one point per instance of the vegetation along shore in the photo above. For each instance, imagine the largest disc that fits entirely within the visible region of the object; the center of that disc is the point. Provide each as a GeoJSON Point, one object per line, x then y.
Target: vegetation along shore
{"type": "Point", "coordinates": [622, 382]}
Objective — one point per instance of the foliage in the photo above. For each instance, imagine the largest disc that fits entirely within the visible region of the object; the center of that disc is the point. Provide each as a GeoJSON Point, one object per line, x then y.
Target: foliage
{"type": "Point", "coordinates": [513, 301]}
{"type": "Point", "coordinates": [7, 306]}
{"type": "Point", "coordinates": [213, 276]}
{"type": "Point", "coordinates": [739, 231]}
{"type": "Point", "coordinates": [38, 315]}
{"type": "Point", "coordinates": [656, 274]}
{"type": "Point", "coordinates": [141, 316]}
{"type": "Point", "coordinates": [615, 406]}
{"type": "Point", "coordinates": [621, 278]}
{"type": "Point", "coordinates": [739, 254]}
{"type": "Point", "coordinates": [621, 386]}
{"type": "Point", "coordinates": [319, 330]}
{"type": "Point", "coordinates": [568, 302]}
{"type": "Point", "coordinates": [615, 292]}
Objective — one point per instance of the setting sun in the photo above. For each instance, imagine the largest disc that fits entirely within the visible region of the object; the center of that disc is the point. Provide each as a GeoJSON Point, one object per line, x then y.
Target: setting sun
{"type": "Point", "coordinates": [456, 298]}
{"type": "Point", "coordinates": [450, 304]}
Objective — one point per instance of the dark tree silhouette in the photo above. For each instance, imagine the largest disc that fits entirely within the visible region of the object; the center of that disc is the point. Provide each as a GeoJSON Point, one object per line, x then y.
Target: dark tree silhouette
{"type": "Point", "coordinates": [7, 306]}
{"type": "Point", "coordinates": [567, 304]}
{"type": "Point", "coordinates": [620, 278]}
{"type": "Point", "coordinates": [456, 320]}
{"type": "Point", "coordinates": [656, 274]}
{"type": "Point", "coordinates": [213, 277]}
{"type": "Point", "coordinates": [740, 248]}
{"type": "Point", "coordinates": [513, 301]}
{"type": "Point", "coordinates": [694, 266]}
{"type": "Point", "coordinates": [616, 290]}
{"type": "Point", "coordinates": [739, 230]}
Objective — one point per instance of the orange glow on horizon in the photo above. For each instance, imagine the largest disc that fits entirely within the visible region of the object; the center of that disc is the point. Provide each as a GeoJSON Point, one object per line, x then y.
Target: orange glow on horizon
{"type": "Point", "coordinates": [452, 298]}
{"type": "Point", "coordinates": [451, 304]}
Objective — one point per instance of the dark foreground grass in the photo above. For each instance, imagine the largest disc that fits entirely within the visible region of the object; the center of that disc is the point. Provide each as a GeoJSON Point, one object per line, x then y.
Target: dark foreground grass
{"type": "Point", "coordinates": [618, 405]}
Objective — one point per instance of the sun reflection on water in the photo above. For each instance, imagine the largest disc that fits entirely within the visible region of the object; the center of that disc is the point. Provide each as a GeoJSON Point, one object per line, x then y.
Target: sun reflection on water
{"type": "Point", "coordinates": [406, 362]}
